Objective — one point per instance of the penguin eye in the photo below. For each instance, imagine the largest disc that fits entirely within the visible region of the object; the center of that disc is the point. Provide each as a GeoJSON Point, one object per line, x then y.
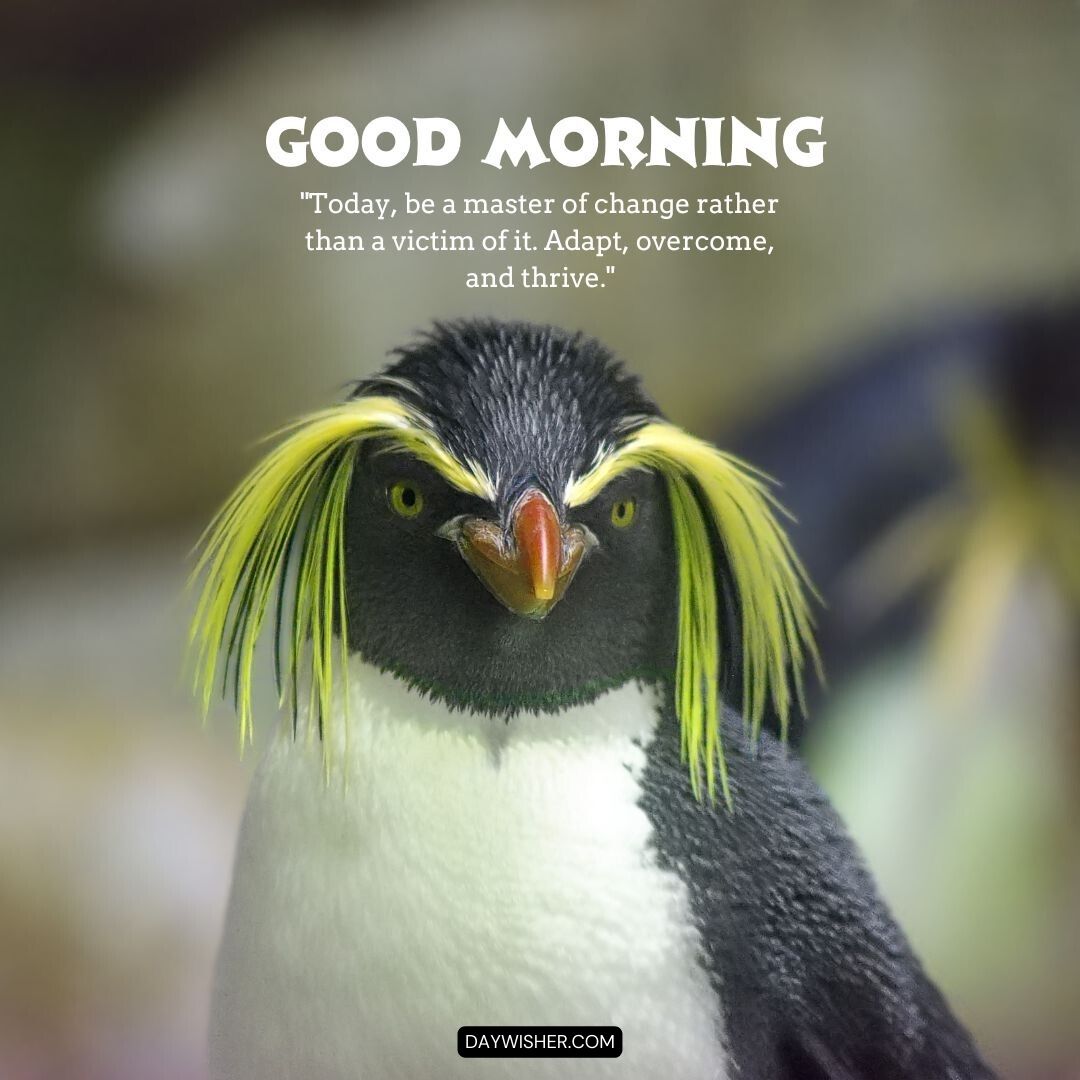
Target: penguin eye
{"type": "Point", "coordinates": [405, 499]}
{"type": "Point", "coordinates": [622, 512]}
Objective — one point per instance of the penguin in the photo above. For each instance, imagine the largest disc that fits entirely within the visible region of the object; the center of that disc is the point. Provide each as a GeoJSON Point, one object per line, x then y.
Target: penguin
{"type": "Point", "coordinates": [525, 633]}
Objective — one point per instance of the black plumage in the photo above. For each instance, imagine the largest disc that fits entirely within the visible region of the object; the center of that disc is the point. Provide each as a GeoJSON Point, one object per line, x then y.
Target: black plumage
{"type": "Point", "coordinates": [531, 403]}
{"type": "Point", "coordinates": [818, 981]}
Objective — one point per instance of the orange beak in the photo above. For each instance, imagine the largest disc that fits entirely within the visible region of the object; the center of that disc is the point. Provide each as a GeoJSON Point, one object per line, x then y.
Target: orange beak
{"type": "Point", "coordinates": [539, 543]}
{"type": "Point", "coordinates": [528, 566]}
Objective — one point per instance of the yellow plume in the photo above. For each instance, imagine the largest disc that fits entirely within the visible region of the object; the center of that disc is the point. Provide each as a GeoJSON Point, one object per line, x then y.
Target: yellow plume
{"type": "Point", "coordinates": [707, 486]}
{"type": "Point", "coordinates": [296, 497]}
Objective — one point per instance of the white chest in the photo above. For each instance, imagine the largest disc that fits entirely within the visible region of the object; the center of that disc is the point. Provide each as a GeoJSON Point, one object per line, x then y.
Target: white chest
{"type": "Point", "coordinates": [473, 872]}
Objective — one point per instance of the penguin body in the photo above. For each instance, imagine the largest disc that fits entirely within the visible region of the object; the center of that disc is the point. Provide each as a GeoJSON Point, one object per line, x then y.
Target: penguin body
{"type": "Point", "coordinates": [488, 873]}
{"type": "Point", "coordinates": [525, 785]}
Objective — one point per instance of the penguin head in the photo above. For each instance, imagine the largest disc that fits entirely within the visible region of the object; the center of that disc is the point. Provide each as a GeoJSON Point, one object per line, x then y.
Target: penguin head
{"type": "Point", "coordinates": [503, 519]}
{"type": "Point", "coordinates": [509, 599]}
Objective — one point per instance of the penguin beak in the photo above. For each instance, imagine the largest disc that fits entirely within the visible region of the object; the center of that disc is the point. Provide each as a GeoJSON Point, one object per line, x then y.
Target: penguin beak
{"type": "Point", "coordinates": [527, 566]}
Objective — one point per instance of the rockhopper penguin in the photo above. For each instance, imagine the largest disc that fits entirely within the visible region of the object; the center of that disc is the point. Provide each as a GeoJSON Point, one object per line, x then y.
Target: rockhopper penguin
{"type": "Point", "coordinates": [528, 630]}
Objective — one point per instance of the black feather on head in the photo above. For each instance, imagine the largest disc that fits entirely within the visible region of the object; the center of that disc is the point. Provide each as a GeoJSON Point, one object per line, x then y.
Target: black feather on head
{"type": "Point", "coordinates": [527, 402]}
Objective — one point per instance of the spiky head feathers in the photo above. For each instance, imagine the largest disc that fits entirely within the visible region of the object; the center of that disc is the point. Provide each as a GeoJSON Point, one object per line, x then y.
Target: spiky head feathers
{"type": "Point", "coordinates": [494, 408]}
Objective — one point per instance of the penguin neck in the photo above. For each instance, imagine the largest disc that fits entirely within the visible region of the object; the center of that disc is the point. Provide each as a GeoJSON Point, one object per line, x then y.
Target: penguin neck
{"type": "Point", "coordinates": [373, 703]}
{"type": "Point", "coordinates": [397, 761]}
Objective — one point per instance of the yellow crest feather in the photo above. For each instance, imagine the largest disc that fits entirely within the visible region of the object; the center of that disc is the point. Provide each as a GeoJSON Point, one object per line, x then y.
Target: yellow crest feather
{"type": "Point", "coordinates": [296, 497]}
{"type": "Point", "coordinates": [706, 485]}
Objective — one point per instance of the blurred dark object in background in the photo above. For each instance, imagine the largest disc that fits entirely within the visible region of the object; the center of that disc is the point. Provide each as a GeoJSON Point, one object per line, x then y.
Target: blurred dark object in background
{"type": "Point", "coordinates": [1036, 374]}
{"type": "Point", "coordinates": [883, 463]}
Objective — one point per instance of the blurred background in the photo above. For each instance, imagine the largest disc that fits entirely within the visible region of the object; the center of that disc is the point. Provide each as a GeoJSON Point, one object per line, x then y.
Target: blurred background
{"type": "Point", "coordinates": [907, 364]}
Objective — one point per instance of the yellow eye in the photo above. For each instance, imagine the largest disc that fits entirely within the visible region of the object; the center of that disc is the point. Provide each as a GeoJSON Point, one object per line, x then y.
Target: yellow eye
{"type": "Point", "coordinates": [622, 512]}
{"type": "Point", "coordinates": [405, 499]}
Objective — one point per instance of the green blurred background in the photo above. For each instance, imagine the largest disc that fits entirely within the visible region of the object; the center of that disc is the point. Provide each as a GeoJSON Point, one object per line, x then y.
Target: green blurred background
{"type": "Point", "coordinates": [159, 314]}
